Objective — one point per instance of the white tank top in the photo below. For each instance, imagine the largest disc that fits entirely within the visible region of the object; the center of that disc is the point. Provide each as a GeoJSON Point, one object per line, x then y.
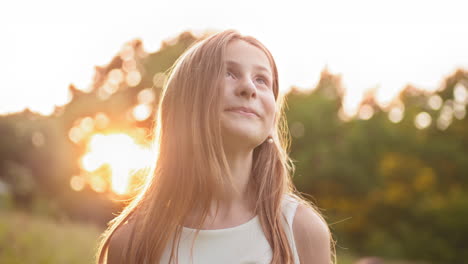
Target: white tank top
{"type": "Point", "coordinates": [242, 244]}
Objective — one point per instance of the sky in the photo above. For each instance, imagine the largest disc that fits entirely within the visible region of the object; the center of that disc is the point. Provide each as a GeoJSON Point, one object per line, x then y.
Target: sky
{"type": "Point", "coordinates": [48, 45]}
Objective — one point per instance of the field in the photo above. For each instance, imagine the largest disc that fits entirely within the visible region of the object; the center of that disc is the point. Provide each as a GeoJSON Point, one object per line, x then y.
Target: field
{"type": "Point", "coordinates": [35, 239]}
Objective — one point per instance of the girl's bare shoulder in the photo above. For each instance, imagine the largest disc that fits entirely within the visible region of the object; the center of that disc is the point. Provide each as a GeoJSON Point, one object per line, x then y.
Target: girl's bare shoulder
{"type": "Point", "coordinates": [312, 236]}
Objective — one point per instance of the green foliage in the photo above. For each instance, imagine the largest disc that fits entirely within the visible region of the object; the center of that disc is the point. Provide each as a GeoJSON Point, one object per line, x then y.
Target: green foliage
{"type": "Point", "coordinates": [388, 189]}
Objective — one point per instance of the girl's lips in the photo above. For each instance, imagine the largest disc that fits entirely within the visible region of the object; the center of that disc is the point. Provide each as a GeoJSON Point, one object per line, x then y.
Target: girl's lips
{"type": "Point", "coordinates": [242, 112]}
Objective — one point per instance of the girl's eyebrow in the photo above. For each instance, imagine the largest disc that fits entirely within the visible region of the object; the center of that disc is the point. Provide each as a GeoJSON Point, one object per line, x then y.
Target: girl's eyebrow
{"type": "Point", "coordinates": [255, 66]}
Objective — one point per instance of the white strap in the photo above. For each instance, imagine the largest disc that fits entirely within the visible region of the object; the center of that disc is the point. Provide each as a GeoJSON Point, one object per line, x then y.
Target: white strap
{"type": "Point", "coordinates": [289, 208]}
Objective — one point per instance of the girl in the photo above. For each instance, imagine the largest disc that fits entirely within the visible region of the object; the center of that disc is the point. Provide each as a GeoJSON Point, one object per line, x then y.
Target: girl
{"type": "Point", "coordinates": [220, 189]}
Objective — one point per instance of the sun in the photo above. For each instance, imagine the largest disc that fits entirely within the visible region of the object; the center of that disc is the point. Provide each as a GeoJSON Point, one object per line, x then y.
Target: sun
{"type": "Point", "coordinates": [123, 155]}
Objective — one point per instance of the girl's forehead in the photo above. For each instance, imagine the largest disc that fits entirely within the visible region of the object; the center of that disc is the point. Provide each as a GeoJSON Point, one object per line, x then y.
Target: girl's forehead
{"type": "Point", "coordinates": [256, 66]}
{"type": "Point", "coordinates": [239, 52]}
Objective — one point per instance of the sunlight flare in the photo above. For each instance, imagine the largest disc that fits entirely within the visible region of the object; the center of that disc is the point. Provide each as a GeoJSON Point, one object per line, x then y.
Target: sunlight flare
{"type": "Point", "coordinates": [123, 155]}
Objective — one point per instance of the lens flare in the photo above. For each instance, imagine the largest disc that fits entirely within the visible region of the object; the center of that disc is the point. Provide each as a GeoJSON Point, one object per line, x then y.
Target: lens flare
{"type": "Point", "coordinates": [123, 156]}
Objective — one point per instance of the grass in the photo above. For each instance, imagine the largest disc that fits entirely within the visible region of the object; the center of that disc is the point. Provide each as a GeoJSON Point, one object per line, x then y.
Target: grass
{"type": "Point", "coordinates": [35, 239]}
{"type": "Point", "coordinates": [345, 258]}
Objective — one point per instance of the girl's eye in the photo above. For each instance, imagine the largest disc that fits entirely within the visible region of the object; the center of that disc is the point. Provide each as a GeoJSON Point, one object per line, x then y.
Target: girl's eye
{"type": "Point", "coordinates": [261, 79]}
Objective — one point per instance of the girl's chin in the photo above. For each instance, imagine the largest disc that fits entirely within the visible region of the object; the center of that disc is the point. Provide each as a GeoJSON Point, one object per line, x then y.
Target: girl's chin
{"type": "Point", "coordinates": [243, 139]}
{"type": "Point", "coordinates": [243, 132]}
{"type": "Point", "coordinates": [239, 132]}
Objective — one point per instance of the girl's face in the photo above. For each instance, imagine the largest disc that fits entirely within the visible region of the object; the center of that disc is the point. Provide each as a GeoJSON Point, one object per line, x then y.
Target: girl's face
{"type": "Point", "coordinates": [248, 100]}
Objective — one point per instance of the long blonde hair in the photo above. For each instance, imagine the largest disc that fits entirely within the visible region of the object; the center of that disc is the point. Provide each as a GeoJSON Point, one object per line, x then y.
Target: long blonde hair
{"type": "Point", "coordinates": [191, 170]}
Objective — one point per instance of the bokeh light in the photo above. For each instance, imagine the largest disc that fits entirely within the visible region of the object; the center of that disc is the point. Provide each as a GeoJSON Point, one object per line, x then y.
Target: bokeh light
{"type": "Point", "coordinates": [446, 115]}
{"type": "Point", "coordinates": [77, 183]}
{"type": "Point", "coordinates": [75, 134]}
{"type": "Point", "coordinates": [422, 120]}
{"type": "Point", "coordinates": [460, 94]}
{"type": "Point", "coordinates": [87, 124]}
{"type": "Point", "coordinates": [459, 110]}
{"type": "Point", "coordinates": [115, 76]}
{"type": "Point", "coordinates": [133, 78]}
{"type": "Point", "coordinates": [159, 79]}
{"type": "Point", "coordinates": [366, 112]}
{"type": "Point", "coordinates": [141, 112]}
{"type": "Point", "coordinates": [102, 121]}
{"type": "Point", "coordinates": [395, 114]}
{"type": "Point", "coordinates": [146, 96]}
{"type": "Point", "coordinates": [435, 102]}
{"type": "Point", "coordinates": [129, 65]}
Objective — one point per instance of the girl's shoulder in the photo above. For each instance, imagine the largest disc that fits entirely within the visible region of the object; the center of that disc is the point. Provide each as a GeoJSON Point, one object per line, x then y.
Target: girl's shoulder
{"type": "Point", "coordinates": [311, 234]}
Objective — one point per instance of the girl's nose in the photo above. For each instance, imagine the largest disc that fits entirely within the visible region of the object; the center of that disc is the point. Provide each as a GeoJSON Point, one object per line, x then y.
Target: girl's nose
{"type": "Point", "coordinates": [247, 88]}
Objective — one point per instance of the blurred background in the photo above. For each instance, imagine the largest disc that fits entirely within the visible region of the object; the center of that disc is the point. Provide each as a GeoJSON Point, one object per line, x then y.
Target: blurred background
{"type": "Point", "coordinates": [376, 105]}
